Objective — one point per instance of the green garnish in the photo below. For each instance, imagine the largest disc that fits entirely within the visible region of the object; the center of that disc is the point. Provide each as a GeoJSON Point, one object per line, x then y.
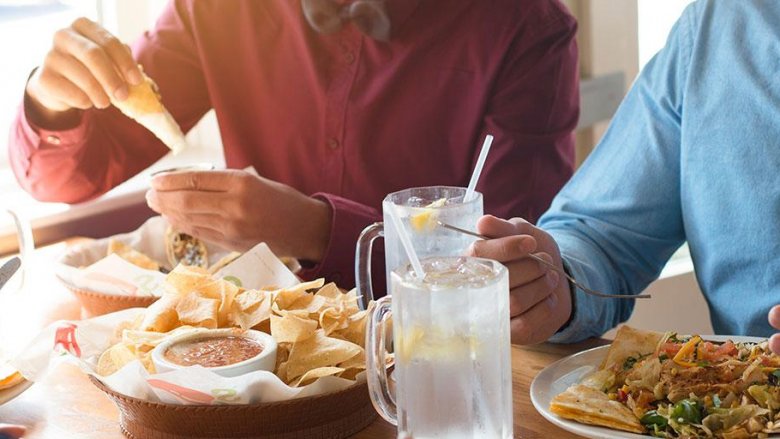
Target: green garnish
{"type": "Point", "coordinates": [774, 378]}
{"type": "Point", "coordinates": [652, 418]}
{"type": "Point", "coordinates": [687, 411]}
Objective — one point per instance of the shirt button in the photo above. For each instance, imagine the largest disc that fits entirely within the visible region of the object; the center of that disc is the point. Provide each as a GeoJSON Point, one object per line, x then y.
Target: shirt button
{"type": "Point", "coordinates": [349, 57]}
{"type": "Point", "coordinates": [54, 140]}
{"type": "Point", "coordinates": [333, 143]}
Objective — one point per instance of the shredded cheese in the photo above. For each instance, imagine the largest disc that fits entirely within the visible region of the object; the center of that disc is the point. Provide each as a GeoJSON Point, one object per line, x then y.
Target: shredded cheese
{"type": "Point", "coordinates": [686, 350]}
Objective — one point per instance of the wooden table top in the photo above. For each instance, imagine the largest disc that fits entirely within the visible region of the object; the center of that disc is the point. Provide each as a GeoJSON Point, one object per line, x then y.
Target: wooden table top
{"type": "Point", "coordinates": [66, 405]}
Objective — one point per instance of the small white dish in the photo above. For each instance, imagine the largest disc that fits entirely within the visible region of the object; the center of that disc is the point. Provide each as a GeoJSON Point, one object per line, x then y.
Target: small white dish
{"type": "Point", "coordinates": [187, 168]}
{"type": "Point", "coordinates": [265, 360]}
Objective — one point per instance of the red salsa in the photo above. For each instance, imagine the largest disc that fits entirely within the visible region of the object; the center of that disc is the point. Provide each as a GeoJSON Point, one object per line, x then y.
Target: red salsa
{"type": "Point", "coordinates": [213, 351]}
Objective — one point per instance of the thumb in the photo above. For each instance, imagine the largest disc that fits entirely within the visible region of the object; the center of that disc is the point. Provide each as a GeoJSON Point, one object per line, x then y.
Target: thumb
{"type": "Point", "coordinates": [494, 227]}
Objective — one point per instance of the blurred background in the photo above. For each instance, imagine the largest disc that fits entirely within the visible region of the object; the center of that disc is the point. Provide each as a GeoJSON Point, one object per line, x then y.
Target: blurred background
{"type": "Point", "coordinates": [616, 39]}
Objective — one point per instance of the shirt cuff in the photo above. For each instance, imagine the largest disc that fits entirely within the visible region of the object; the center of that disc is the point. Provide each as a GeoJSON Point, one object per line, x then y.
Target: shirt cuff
{"type": "Point", "coordinates": [40, 138]}
{"type": "Point", "coordinates": [576, 328]}
{"type": "Point", "coordinates": [591, 316]}
{"type": "Point", "coordinates": [348, 220]}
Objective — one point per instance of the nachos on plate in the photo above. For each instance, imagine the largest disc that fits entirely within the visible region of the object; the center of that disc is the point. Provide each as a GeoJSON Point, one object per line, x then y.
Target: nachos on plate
{"type": "Point", "coordinates": [673, 386]}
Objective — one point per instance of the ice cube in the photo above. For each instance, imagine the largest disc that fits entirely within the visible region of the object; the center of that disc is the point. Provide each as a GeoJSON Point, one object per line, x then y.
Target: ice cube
{"type": "Point", "coordinates": [453, 272]}
{"type": "Point", "coordinates": [416, 202]}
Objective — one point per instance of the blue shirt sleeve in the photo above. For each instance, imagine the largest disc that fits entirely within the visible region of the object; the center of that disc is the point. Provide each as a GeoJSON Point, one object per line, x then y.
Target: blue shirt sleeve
{"type": "Point", "coordinates": [619, 220]}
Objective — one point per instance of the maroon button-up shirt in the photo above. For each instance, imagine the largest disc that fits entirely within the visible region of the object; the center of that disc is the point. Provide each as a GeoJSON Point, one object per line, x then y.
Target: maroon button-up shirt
{"type": "Point", "coordinates": [343, 117]}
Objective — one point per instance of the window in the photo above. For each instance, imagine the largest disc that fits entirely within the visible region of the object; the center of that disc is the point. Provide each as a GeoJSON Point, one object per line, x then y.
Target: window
{"type": "Point", "coordinates": [26, 24]}
{"type": "Point", "coordinates": [30, 24]}
{"type": "Point", "coordinates": [656, 18]}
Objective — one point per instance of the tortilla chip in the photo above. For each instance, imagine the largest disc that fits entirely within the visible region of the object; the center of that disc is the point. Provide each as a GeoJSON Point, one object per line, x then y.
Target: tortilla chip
{"type": "Point", "coordinates": [314, 374]}
{"type": "Point", "coordinates": [287, 296]}
{"type": "Point", "coordinates": [250, 308]}
{"type": "Point", "coordinates": [114, 358]}
{"type": "Point", "coordinates": [184, 279]}
{"type": "Point", "coordinates": [353, 366]}
{"type": "Point", "coordinates": [144, 106]}
{"type": "Point", "coordinates": [319, 351]}
{"type": "Point", "coordinates": [331, 320]}
{"type": "Point", "coordinates": [590, 406]}
{"type": "Point", "coordinates": [196, 310]}
{"type": "Point", "coordinates": [630, 342]}
{"type": "Point", "coordinates": [143, 341]}
{"type": "Point", "coordinates": [291, 328]}
{"type": "Point", "coordinates": [161, 315]}
{"type": "Point", "coordinates": [309, 303]}
{"type": "Point", "coordinates": [330, 291]}
{"type": "Point", "coordinates": [131, 255]}
{"type": "Point", "coordinates": [356, 328]}
{"type": "Point", "coordinates": [227, 293]}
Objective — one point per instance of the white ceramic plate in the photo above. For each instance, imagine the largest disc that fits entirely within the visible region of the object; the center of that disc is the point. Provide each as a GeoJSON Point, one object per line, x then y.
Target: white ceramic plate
{"type": "Point", "coordinates": [12, 392]}
{"type": "Point", "coordinates": [558, 376]}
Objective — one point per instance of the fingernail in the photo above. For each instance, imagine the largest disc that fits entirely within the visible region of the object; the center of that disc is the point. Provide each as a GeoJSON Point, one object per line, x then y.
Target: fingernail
{"type": "Point", "coordinates": [155, 182]}
{"type": "Point", "coordinates": [134, 77]}
{"type": "Point", "coordinates": [121, 92]}
{"type": "Point", "coordinates": [528, 245]}
{"type": "Point", "coordinates": [552, 279]}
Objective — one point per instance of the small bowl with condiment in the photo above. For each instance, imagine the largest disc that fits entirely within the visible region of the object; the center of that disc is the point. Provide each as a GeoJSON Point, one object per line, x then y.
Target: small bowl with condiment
{"type": "Point", "coordinates": [227, 352]}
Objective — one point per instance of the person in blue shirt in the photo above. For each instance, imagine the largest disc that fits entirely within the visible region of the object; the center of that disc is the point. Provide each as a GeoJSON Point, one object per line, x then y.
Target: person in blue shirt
{"type": "Point", "coordinates": [693, 154]}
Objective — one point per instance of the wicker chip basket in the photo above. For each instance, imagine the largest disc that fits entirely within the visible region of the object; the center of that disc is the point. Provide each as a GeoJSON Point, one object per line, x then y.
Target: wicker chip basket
{"type": "Point", "coordinates": [335, 415]}
{"type": "Point", "coordinates": [95, 304]}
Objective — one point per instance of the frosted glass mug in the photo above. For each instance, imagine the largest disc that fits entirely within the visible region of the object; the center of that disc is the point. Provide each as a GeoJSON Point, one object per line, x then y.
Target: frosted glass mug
{"type": "Point", "coordinates": [435, 241]}
{"type": "Point", "coordinates": [453, 376]}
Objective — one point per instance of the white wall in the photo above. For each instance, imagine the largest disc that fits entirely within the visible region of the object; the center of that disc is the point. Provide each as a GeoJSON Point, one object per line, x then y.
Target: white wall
{"type": "Point", "coordinates": [676, 304]}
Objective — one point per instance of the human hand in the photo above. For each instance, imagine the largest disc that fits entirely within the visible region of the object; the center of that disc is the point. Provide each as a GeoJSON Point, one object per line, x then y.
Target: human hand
{"type": "Point", "coordinates": [539, 297]}
{"type": "Point", "coordinates": [237, 210]}
{"type": "Point", "coordinates": [85, 68]}
{"type": "Point", "coordinates": [8, 431]}
{"type": "Point", "coordinates": [774, 320]}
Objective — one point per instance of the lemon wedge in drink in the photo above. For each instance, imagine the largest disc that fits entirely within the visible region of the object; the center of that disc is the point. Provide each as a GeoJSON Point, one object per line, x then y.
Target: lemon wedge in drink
{"type": "Point", "coordinates": [425, 221]}
{"type": "Point", "coordinates": [433, 343]}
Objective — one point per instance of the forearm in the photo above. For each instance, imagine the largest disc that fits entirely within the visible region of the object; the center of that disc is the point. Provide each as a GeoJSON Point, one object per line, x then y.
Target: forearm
{"type": "Point", "coordinates": [77, 164]}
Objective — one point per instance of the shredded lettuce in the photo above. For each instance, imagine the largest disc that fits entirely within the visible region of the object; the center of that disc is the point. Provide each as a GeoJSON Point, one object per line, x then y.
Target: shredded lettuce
{"type": "Point", "coordinates": [722, 419]}
{"type": "Point", "coordinates": [766, 396]}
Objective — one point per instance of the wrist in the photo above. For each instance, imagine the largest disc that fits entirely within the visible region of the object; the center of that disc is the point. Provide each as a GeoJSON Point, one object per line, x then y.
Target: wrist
{"type": "Point", "coordinates": [572, 296]}
{"type": "Point", "coordinates": [318, 223]}
{"type": "Point", "coordinates": [41, 115]}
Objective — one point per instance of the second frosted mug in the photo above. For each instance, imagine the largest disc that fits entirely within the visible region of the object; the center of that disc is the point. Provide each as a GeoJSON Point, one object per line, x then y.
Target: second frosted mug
{"type": "Point", "coordinates": [452, 351]}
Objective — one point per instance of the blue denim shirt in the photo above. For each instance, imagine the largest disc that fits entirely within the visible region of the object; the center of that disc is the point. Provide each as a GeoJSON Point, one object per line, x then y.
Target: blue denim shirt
{"type": "Point", "coordinates": [693, 154]}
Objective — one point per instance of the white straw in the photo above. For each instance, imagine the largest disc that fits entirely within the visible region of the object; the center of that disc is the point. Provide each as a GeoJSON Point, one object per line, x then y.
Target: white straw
{"type": "Point", "coordinates": [405, 241]}
{"type": "Point", "coordinates": [478, 169]}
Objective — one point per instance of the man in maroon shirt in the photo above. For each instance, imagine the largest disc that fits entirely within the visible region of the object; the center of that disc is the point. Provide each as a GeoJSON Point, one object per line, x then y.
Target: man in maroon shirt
{"type": "Point", "coordinates": [334, 102]}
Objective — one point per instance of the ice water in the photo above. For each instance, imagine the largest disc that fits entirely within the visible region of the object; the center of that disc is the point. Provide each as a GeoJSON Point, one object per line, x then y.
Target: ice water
{"type": "Point", "coordinates": [452, 350]}
{"type": "Point", "coordinates": [431, 241]}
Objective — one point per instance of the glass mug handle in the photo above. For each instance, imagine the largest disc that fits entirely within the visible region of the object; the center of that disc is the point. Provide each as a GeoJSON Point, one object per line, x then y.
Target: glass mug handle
{"type": "Point", "coordinates": [376, 369]}
{"type": "Point", "coordinates": [365, 246]}
{"type": "Point", "coordinates": [26, 244]}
